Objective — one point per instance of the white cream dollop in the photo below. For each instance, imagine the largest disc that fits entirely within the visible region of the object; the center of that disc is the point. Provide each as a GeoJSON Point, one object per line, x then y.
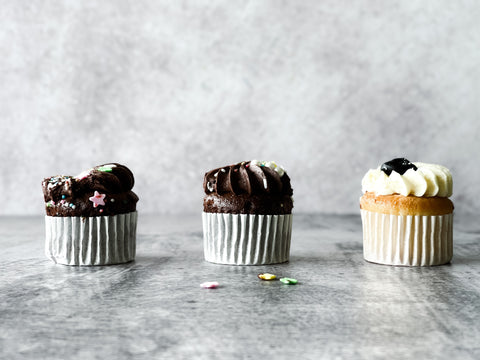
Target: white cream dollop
{"type": "Point", "coordinates": [428, 180]}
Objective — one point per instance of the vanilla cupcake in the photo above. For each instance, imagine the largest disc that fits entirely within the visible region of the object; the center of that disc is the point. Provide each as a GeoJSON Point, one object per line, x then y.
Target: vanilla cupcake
{"type": "Point", "coordinates": [407, 215]}
{"type": "Point", "coordinates": [91, 218]}
{"type": "Point", "coordinates": [247, 214]}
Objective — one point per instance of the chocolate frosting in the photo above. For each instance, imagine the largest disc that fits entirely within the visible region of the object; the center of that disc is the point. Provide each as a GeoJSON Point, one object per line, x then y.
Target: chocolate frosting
{"type": "Point", "coordinates": [244, 178]}
{"type": "Point", "coordinates": [104, 190]}
{"type": "Point", "coordinates": [247, 188]}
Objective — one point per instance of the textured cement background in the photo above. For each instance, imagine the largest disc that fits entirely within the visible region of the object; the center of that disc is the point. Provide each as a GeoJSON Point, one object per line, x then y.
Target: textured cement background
{"type": "Point", "coordinates": [172, 89]}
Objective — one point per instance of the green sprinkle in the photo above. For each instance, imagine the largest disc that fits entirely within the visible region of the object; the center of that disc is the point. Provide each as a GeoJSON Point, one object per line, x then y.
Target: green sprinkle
{"type": "Point", "coordinates": [105, 168]}
{"type": "Point", "coordinates": [289, 281]}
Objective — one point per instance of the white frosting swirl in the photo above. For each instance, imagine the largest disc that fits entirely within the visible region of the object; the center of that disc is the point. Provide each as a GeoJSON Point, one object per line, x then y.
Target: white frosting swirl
{"type": "Point", "coordinates": [428, 180]}
{"type": "Point", "coordinates": [270, 164]}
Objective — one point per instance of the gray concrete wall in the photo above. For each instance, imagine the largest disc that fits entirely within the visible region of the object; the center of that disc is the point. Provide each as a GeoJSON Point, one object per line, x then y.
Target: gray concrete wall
{"type": "Point", "coordinates": [172, 89]}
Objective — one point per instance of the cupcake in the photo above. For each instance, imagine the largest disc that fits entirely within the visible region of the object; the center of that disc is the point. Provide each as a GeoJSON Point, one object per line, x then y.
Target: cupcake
{"type": "Point", "coordinates": [91, 218]}
{"type": "Point", "coordinates": [407, 215]}
{"type": "Point", "coordinates": [247, 214]}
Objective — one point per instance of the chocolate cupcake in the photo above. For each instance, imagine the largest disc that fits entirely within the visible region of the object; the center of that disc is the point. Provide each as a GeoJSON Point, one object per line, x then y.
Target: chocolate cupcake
{"type": "Point", "coordinates": [407, 215]}
{"type": "Point", "coordinates": [247, 214]}
{"type": "Point", "coordinates": [91, 218]}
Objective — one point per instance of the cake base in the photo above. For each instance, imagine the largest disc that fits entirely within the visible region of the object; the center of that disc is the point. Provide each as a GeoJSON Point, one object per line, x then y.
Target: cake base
{"type": "Point", "coordinates": [406, 205]}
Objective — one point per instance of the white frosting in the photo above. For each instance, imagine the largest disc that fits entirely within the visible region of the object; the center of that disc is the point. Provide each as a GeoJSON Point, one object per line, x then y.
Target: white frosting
{"type": "Point", "coordinates": [428, 180]}
{"type": "Point", "coordinates": [270, 164]}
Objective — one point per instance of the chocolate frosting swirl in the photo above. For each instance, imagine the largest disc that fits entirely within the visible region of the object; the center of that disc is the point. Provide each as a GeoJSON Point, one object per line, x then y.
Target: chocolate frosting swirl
{"type": "Point", "coordinates": [246, 178]}
{"type": "Point", "coordinates": [249, 187]}
{"type": "Point", "coordinates": [104, 190]}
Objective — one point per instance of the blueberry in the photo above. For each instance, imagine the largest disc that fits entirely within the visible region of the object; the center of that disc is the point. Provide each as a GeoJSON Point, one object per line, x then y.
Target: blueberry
{"type": "Point", "coordinates": [400, 165]}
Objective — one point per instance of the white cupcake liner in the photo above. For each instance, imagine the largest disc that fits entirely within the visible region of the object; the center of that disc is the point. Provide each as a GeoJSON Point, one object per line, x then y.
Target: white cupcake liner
{"type": "Point", "coordinates": [98, 240]}
{"type": "Point", "coordinates": [407, 240]}
{"type": "Point", "coordinates": [244, 239]}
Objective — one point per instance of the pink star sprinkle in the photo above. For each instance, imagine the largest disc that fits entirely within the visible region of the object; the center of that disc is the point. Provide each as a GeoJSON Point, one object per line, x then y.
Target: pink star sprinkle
{"type": "Point", "coordinates": [97, 199]}
{"type": "Point", "coordinates": [209, 285]}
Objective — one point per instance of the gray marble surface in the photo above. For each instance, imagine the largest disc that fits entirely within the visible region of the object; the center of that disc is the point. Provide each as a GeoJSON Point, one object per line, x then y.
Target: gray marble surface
{"type": "Point", "coordinates": [342, 308]}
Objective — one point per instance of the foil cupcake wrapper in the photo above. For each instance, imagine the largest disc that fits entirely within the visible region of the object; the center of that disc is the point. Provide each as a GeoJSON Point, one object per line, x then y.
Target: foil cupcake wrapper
{"type": "Point", "coordinates": [244, 239]}
{"type": "Point", "coordinates": [99, 240]}
{"type": "Point", "coordinates": [407, 240]}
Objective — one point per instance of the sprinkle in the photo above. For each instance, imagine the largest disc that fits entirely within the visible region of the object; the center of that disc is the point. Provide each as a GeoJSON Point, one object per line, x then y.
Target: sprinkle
{"type": "Point", "coordinates": [270, 164]}
{"type": "Point", "coordinates": [83, 174]}
{"type": "Point", "coordinates": [73, 206]}
{"type": "Point", "coordinates": [289, 281]}
{"type": "Point", "coordinates": [223, 170]}
{"type": "Point", "coordinates": [101, 210]}
{"type": "Point", "coordinates": [63, 196]}
{"type": "Point", "coordinates": [97, 199]}
{"type": "Point", "coordinates": [265, 183]}
{"type": "Point", "coordinates": [210, 285]}
{"type": "Point", "coordinates": [267, 276]}
{"type": "Point", "coordinates": [106, 168]}
{"type": "Point", "coordinates": [112, 200]}
{"type": "Point", "coordinates": [280, 171]}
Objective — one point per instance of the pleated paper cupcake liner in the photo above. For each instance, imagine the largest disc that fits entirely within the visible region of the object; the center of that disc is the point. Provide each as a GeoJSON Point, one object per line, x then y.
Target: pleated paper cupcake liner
{"type": "Point", "coordinates": [244, 239]}
{"type": "Point", "coordinates": [407, 240]}
{"type": "Point", "coordinates": [99, 240]}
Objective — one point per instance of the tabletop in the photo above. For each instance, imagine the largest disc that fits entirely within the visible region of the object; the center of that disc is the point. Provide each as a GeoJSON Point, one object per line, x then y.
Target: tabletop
{"type": "Point", "coordinates": [154, 308]}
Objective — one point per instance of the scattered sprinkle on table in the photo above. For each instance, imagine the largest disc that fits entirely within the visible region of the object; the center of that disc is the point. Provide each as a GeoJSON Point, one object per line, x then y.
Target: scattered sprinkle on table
{"type": "Point", "coordinates": [289, 281]}
{"type": "Point", "coordinates": [209, 285]}
{"type": "Point", "coordinates": [267, 276]}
